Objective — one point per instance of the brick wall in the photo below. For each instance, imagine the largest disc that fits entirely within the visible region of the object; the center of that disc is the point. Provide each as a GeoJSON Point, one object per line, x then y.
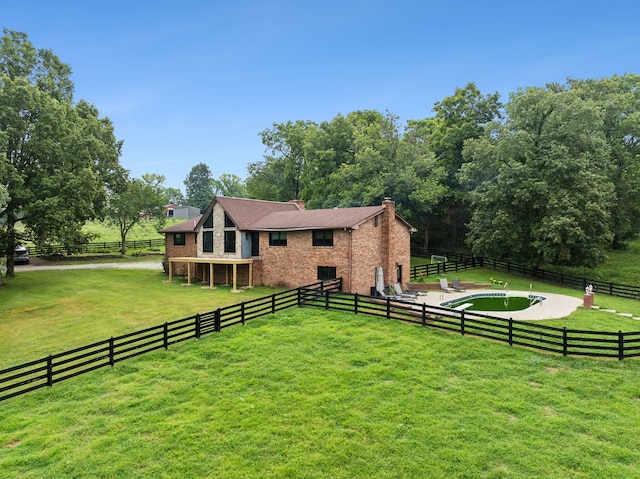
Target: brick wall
{"type": "Point", "coordinates": [189, 249]}
{"type": "Point", "coordinates": [297, 263]}
{"type": "Point", "coordinates": [355, 254]}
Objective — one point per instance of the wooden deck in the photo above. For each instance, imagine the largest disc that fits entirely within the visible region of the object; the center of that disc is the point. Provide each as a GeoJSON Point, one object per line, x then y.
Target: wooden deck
{"type": "Point", "coordinates": [212, 262]}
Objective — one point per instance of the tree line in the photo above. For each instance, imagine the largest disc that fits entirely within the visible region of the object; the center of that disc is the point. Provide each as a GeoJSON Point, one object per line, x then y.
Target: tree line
{"type": "Point", "coordinates": [59, 158]}
{"type": "Point", "coordinates": [548, 177]}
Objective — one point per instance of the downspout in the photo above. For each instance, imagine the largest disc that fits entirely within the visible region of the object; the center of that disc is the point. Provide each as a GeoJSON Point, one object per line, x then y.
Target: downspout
{"type": "Point", "coordinates": [350, 257]}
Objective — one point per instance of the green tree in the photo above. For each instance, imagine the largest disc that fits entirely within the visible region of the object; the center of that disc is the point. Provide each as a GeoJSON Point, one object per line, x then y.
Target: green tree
{"type": "Point", "coordinates": [58, 158]}
{"type": "Point", "coordinates": [173, 196]}
{"type": "Point", "coordinates": [281, 176]}
{"type": "Point", "coordinates": [539, 187]}
{"type": "Point", "coordinates": [135, 201]}
{"type": "Point", "coordinates": [199, 188]}
{"type": "Point", "coordinates": [459, 117]}
{"type": "Point", "coordinates": [229, 185]}
{"type": "Point", "coordinates": [618, 98]}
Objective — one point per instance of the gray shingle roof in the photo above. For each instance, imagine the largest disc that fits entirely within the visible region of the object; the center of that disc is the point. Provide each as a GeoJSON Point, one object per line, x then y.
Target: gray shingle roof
{"type": "Point", "coordinates": [245, 212]}
{"type": "Point", "coordinates": [260, 215]}
{"type": "Point", "coordinates": [337, 218]}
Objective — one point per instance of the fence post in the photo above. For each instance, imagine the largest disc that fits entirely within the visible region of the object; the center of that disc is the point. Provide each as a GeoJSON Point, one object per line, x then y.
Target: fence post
{"type": "Point", "coordinates": [198, 326]}
{"type": "Point", "coordinates": [355, 304]}
{"type": "Point", "coordinates": [326, 300]}
{"type": "Point", "coordinates": [388, 308]}
{"type": "Point", "coordinates": [510, 332]}
{"type": "Point", "coordinates": [49, 371]}
{"type": "Point", "coordinates": [424, 314]}
{"type": "Point", "coordinates": [216, 321]}
{"type": "Point", "coordinates": [242, 313]}
{"type": "Point", "coordinates": [165, 335]}
{"type": "Point", "coordinates": [620, 346]}
{"type": "Point", "coordinates": [111, 352]}
{"type": "Point", "coordinates": [462, 322]}
{"type": "Point", "coordinates": [299, 297]}
{"type": "Point", "coordinates": [565, 342]}
{"type": "Point", "coordinates": [273, 304]}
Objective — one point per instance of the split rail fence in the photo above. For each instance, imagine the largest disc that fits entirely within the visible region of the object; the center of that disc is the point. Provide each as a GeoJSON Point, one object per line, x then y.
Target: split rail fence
{"type": "Point", "coordinates": [59, 367]}
{"type": "Point", "coordinates": [460, 262]}
{"type": "Point", "coordinates": [102, 246]}
{"type": "Point", "coordinates": [568, 342]}
{"type": "Point", "coordinates": [55, 368]}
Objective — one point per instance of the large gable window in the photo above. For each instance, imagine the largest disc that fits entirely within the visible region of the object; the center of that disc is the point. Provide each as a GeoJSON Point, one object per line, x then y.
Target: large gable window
{"type": "Point", "coordinates": [322, 237]}
{"type": "Point", "coordinates": [228, 223]}
{"type": "Point", "coordinates": [278, 238]}
{"type": "Point", "coordinates": [209, 221]}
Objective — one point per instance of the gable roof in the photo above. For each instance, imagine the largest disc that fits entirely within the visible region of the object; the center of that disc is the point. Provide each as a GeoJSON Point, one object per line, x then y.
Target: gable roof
{"type": "Point", "coordinates": [244, 212]}
{"type": "Point", "coordinates": [259, 215]}
{"type": "Point", "coordinates": [338, 218]}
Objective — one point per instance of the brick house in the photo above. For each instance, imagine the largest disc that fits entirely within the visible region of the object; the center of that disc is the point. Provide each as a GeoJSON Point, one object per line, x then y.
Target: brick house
{"type": "Point", "coordinates": [282, 244]}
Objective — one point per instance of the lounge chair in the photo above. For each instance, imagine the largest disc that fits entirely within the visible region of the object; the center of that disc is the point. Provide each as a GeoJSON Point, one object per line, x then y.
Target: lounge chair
{"type": "Point", "coordinates": [457, 286]}
{"type": "Point", "coordinates": [410, 290]}
{"type": "Point", "coordinates": [444, 286]}
{"type": "Point", "coordinates": [398, 291]}
{"type": "Point", "coordinates": [380, 293]}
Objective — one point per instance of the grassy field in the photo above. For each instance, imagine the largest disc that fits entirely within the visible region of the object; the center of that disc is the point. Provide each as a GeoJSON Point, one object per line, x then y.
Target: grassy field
{"type": "Point", "coordinates": [304, 393]}
{"type": "Point", "coordinates": [47, 312]}
{"type": "Point", "coordinates": [315, 394]}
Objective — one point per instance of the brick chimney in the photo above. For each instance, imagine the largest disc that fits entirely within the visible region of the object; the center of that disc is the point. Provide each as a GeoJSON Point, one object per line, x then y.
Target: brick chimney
{"type": "Point", "coordinates": [387, 224]}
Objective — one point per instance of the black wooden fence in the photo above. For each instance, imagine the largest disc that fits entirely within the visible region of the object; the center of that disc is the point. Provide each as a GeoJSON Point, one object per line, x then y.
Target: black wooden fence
{"type": "Point", "coordinates": [55, 368]}
{"type": "Point", "coordinates": [100, 247]}
{"type": "Point", "coordinates": [460, 262]}
{"type": "Point", "coordinates": [61, 366]}
{"type": "Point", "coordinates": [568, 342]}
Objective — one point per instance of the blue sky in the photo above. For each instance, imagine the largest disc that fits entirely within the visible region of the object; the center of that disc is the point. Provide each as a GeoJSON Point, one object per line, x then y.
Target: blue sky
{"type": "Point", "coordinates": [196, 81]}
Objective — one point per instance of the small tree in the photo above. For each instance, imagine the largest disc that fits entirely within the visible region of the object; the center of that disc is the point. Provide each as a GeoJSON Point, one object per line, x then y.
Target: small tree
{"type": "Point", "coordinates": [229, 185]}
{"type": "Point", "coordinates": [137, 200]}
{"type": "Point", "coordinates": [199, 187]}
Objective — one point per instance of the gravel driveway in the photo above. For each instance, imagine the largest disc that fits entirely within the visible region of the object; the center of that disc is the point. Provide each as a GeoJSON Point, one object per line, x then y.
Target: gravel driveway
{"type": "Point", "coordinates": [157, 265]}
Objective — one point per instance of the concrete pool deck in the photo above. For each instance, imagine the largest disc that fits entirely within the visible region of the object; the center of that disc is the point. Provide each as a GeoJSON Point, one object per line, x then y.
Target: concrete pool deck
{"type": "Point", "coordinates": [555, 306]}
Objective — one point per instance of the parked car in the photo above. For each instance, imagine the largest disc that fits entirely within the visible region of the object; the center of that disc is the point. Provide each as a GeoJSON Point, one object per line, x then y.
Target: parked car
{"type": "Point", "coordinates": [21, 255]}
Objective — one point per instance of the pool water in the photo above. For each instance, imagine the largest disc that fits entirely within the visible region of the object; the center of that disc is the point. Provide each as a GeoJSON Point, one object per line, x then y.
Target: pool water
{"type": "Point", "coordinates": [494, 302]}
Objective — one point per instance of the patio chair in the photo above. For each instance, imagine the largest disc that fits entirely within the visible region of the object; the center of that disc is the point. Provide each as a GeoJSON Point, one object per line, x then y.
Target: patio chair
{"type": "Point", "coordinates": [457, 286]}
{"type": "Point", "coordinates": [444, 286]}
{"type": "Point", "coordinates": [380, 293]}
{"type": "Point", "coordinates": [410, 290]}
{"type": "Point", "coordinates": [398, 291]}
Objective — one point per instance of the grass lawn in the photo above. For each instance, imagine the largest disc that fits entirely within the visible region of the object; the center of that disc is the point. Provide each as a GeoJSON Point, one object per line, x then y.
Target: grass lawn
{"type": "Point", "coordinates": [45, 312]}
{"type": "Point", "coordinates": [312, 394]}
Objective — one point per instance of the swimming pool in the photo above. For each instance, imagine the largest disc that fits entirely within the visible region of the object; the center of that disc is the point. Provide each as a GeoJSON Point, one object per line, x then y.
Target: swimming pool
{"type": "Point", "coordinates": [494, 301]}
